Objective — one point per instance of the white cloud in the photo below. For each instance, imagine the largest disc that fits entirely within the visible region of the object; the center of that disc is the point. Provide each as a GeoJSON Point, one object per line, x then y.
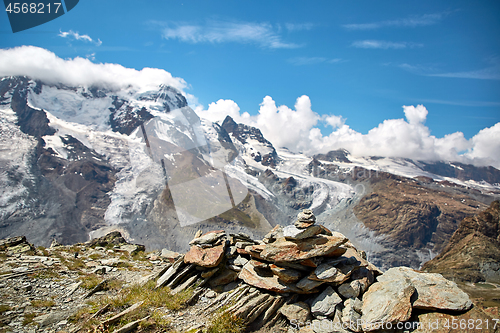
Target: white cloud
{"type": "Point", "coordinates": [382, 44]}
{"type": "Point", "coordinates": [299, 26]}
{"type": "Point", "coordinates": [262, 34]}
{"type": "Point", "coordinates": [486, 146]}
{"type": "Point", "coordinates": [409, 138]}
{"type": "Point", "coordinates": [301, 61]}
{"type": "Point", "coordinates": [222, 108]}
{"type": "Point", "coordinates": [76, 36]}
{"type": "Point", "coordinates": [489, 73]}
{"type": "Point", "coordinates": [412, 22]}
{"type": "Point", "coordinates": [415, 115]}
{"type": "Point", "coordinates": [42, 64]}
{"type": "Point", "coordinates": [335, 121]}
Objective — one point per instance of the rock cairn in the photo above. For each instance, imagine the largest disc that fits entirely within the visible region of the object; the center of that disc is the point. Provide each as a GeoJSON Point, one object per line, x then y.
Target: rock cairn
{"type": "Point", "coordinates": [307, 275]}
{"type": "Point", "coordinates": [299, 276]}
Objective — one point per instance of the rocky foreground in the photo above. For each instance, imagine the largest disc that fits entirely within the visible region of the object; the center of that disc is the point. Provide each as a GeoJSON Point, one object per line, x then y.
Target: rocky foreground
{"type": "Point", "coordinates": [302, 277]}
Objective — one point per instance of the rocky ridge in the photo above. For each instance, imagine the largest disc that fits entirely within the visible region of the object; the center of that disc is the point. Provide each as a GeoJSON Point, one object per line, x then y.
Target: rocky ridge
{"type": "Point", "coordinates": [302, 277]}
{"type": "Point", "coordinates": [473, 252]}
{"type": "Point", "coordinates": [472, 255]}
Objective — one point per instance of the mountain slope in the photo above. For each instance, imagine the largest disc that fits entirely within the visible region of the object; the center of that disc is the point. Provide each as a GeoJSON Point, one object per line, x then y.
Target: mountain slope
{"type": "Point", "coordinates": [473, 252]}
{"type": "Point", "coordinates": [78, 162]}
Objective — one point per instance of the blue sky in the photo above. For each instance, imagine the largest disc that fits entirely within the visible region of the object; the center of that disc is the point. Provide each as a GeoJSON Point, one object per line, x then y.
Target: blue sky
{"type": "Point", "coordinates": [359, 60]}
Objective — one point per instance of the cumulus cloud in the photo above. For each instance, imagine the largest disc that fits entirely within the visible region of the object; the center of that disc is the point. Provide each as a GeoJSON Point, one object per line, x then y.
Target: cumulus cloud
{"type": "Point", "coordinates": [262, 34]}
{"type": "Point", "coordinates": [486, 146]}
{"type": "Point", "coordinates": [382, 44]}
{"type": "Point", "coordinates": [76, 36]}
{"type": "Point", "coordinates": [298, 129]}
{"type": "Point", "coordinates": [44, 65]}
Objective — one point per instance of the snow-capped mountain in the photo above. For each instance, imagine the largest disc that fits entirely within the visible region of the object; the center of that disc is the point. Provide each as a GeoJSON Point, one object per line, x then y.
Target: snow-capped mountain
{"type": "Point", "coordinates": [77, 162]}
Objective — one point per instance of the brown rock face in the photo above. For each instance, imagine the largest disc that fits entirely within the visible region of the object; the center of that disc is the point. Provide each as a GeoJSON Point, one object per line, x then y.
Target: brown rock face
{"type": "Point", "coordinates": [413, 213]}
{"type": "Point", "coordinates": [208, 257]}
{"type": "Point", "coordinates": [473, 252]}
{"type": "Point", "coordinates": [319, 245]}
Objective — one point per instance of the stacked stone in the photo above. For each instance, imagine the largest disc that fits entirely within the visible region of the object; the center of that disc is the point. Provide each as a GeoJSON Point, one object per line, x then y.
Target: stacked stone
{"type": "Point", "coordinates": [309, 275]}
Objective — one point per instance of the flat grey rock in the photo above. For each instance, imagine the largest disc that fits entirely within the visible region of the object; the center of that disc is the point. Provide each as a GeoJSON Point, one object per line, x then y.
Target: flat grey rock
{"type": "Point", "coordinates": [325, 303]}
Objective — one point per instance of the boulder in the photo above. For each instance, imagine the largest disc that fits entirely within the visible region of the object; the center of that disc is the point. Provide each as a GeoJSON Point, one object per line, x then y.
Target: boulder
{"type": "Point", "coordinates": [325, 303]}
{"type": "Point", "coordinates": [387, 302]}
{"type": "Point", "coordinates": [207, 257]}
{"type": "Point", "coordinates": [434, 292]}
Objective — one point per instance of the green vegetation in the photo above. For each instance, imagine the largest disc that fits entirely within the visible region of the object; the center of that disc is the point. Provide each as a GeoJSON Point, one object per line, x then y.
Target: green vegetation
{"type": "Point", "coordinates": [38, 303]}
{"type": "Point", "coordinates": [95, 256]}
{"type": "Point", "coordinates": [47, 273]}
{"type": "Point", "coordinates": [226, 322]}
{"type": "Point", "coordinates": [28, 318]}
{"type": "Point", "coordinates": [140, 256]}
{"type": "Point", "coordinates": [43, 250]}
{"type": "Point", "coordinates": [151, 300]}
{"type": "Point", "coordinates": [89, 281]}
{"type": "Point", "coordinates": [4, 308]}
{"type": "Point", "coordinates": [124, 264]}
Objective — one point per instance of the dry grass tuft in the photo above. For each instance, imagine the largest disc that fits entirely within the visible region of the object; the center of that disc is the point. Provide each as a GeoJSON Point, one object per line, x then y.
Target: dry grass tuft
{"type": "Point", "coordinates": [226, 322]}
